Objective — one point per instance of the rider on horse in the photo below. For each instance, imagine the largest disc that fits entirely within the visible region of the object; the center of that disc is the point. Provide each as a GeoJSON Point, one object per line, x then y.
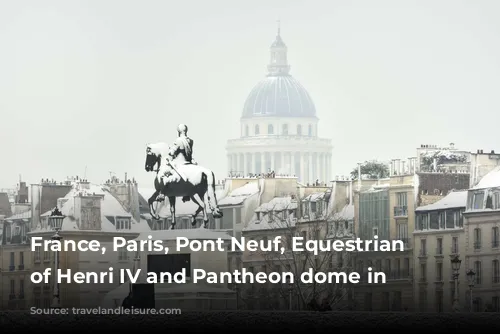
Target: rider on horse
{"type": "Point", "coordinates": [181, 153]}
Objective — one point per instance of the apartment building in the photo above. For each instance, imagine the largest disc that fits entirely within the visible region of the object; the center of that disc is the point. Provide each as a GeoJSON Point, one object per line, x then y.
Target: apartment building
{"type": "Point", "coordinates": [438, 238]}
{"type": "Point", "coordinates": [482, 242]}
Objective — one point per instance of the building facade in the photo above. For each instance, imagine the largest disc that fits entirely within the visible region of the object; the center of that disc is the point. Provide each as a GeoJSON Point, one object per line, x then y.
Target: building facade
{"type": "Point", "coordinates": [439, 237]}
{"type": "Point", "coordinates": [482, 243]}
{"type": "Point", "coordinates": [279, 128]}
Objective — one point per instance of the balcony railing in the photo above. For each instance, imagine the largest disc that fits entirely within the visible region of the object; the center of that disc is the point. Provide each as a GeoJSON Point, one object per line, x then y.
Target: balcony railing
{"type": "Point", "coordinates": [423, 253]}
{"type": "Point", "coordinates": [401, 211]}
{"type": "Point", "coordinates": [477, 245]}
{"type": "Point", "coordinates": [454, 250]}
{"type": "Point", "coordinates": [439, 251]}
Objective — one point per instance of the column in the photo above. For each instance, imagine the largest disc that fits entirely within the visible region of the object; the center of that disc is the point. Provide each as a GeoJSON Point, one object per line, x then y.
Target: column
{"type": "Point", "coordinates": [263, 164]}
{"type": "Point", "coordinates": [318, 169]}
{"type": "Point", "coordinates": [302, 168]}
{"type": "Point", "coordinates": [323, 166]}
{"type": "Point", "coordinates": [254, 159]}
{"type": "Point", "coordinates": [236, 163]}
{"type": "Point", "coordinates": [229, 163]}
{"type": "Point", "coordinates": [292, 164]}
{"type": "Point", "coordinates": [273, 156]}
{"type": "Point", "coordinates": [245, 164]}
{"type": "Point", "coordinates": [310, 176]}
{"type": "Point", "coordinates": [329, 166]}
{"type": "Point", "coordinates": [283, 169]}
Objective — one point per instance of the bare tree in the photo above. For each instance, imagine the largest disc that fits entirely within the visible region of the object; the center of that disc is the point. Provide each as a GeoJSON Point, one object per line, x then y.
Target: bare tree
{"type": "Point", "coordinates": [319, 225]}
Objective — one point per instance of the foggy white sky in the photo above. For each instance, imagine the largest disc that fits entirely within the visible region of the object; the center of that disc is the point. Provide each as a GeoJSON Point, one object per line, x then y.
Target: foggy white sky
{"type": "Point", "coordinates": [89, 83]}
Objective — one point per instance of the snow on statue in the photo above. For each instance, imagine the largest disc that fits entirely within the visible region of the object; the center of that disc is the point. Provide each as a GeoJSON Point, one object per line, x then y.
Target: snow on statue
{"type": "Point", "coordinates": [177, 175]}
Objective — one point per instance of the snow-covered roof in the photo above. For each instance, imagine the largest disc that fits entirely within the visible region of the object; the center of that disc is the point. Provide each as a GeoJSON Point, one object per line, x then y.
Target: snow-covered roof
{"type": "Point", "coordinates": [21, 215]}
{"type": "Point", "coordinates": [278, 204]}
{"type": "Point", "coordinates": [194, 233]}
{"type": "Point", "coordinates": [239, 195]}
{"type": "Point", "coordinates": [454, 200]}
{"type": "Point", "coordinates": [347, 213]}
{"type": "Point", "coordinates": [490, 180]}
{"type": "Point", "coordinates": [314, 197]}
{"type": "Point", "coordinates": [266, 222]}
{"type": "Point", "coordinates": [110, 208]}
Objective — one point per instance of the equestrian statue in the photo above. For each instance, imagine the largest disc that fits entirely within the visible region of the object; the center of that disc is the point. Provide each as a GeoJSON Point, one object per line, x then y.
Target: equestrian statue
{"type": "Point", "coordinates": [178, 175]}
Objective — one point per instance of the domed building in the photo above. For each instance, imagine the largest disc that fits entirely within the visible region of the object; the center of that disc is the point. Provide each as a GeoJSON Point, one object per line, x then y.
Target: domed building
{"type": "Point", "coordinates": [279, 128]}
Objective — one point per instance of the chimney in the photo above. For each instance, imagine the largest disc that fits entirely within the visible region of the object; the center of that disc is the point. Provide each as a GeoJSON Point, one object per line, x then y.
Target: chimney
{"type": "Point", "coordinates": [397, 166]}
{"type": "Point", "coordinates": [87, 211]}
{"type": "Point", "coordinates": [492, 152]}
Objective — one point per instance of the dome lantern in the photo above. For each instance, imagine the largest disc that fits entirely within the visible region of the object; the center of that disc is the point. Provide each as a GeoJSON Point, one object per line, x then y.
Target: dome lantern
{"type": "Point", "coordinates": [279, 62]}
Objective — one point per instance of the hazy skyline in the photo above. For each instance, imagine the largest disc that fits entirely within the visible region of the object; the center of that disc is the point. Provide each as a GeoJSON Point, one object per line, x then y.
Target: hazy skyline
{"type": "Point", "coordinates": [84, 85]}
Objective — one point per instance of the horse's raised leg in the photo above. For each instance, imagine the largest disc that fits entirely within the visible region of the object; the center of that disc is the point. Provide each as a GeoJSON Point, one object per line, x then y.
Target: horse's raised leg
{"type": "Point", "coordinates": [201, 202]}
{"type": "Point", "coordinates": [151, 201]}
{"type": "Point", "coordinates": [200, 208]}
{"type": "Point", "coordinates": [171, 200]}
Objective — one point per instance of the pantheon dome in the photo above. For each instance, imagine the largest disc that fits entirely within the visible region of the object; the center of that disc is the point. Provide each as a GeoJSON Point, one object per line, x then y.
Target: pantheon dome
{"type": "Point", "coordinates": [279, 128]}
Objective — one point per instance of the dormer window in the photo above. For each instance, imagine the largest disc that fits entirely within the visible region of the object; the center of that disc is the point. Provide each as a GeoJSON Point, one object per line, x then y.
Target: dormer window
{"type": "Point", "coordinates": [270, 215]}
{"type": "Point", "coordinates": [496, 200]}
{"type": "Point", "coordinates": [319, 207]}
{"type": "Point", "coordinates": [305, 209]}
{"type": "Point", "coordinates": [123, 224]}
{"type": "Point", "coordinates": [478, 200]}
{"type": "Point", "coordinates": [313, 207]}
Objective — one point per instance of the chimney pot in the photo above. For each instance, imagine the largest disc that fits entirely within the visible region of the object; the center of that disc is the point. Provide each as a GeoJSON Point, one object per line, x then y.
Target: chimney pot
{"type": "Point", "coordinates": [492, 151]}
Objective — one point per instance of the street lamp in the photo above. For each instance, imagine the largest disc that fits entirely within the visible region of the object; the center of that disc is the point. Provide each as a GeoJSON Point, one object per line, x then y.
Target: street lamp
{"type": "Point", "coordinates": [455, 265]}
{"type": "Point", "coordinates": [55, 222]}
{"type": "Point", "coordinates": [290, 296]}
{"type": "Point", "coordinates": [471, 275]}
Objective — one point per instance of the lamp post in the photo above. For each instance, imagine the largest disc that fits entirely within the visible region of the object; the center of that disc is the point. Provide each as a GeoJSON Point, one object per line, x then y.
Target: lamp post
{"type": "Point", "coordinates": [290, 296]}
{"type": "Point", "coordinates": [455, 265]}
{"type": "Point", "coordinates": [236, 289]}
{"type": "Point", "coordinates": [55, 222]}
{"type": "Point", "coordinates": [471, 275]}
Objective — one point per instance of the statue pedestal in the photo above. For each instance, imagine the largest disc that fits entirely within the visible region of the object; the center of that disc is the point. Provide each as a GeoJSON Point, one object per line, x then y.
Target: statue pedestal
{"type": "Point", "coordinates": [188, 296]}
{"type": "Point", "coordinates": [195, 297]}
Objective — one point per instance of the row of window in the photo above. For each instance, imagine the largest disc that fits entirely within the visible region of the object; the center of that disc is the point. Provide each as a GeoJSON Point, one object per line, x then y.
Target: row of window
{"type": "Point", "coordinates": [477, 303]}
{"type": "Point", "coordinates": [494, 238]}
{"type": "Point", "coordinates": [387, 266]}
{"type": "Point", "coordinates": [19, 293]}
{"type": "Point", "coordinates": [478, 279]}
{"type": "Point", "coordinates": [12, 262]}
{"type": "Point", "coordinates": [485, 199]}
{"type": "Point", "coordinates": [284, 130]}
{"type": "Point", "coordinates": [449, 219]}
{"type": "Point", "coordinates": [439, 247]}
